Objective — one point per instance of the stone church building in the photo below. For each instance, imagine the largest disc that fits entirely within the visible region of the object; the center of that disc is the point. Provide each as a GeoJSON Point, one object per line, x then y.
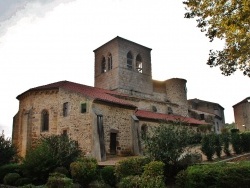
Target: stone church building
{"type": "Point", "coordinates": [109, 118]}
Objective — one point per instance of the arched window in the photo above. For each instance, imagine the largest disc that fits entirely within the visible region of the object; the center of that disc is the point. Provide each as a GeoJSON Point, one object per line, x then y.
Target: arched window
{"type": "Point", "coordinates": [129, 61]}
{"type": "Point", "coordinates": [45, 120]}
{"type": "Point", "coordinates": [109, 61]}
{"type": "Point", "coordinates": [139, 63]}
{"type": "Point", "coordinates": [103, 65]}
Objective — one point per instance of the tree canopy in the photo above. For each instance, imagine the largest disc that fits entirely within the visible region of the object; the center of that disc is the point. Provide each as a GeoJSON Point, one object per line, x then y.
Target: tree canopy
{"type": "Point", "coordinates": [228, 20]}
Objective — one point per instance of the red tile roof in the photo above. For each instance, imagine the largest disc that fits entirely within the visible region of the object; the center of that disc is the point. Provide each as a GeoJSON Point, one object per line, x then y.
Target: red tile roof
{"type": "Point", "coordinates": [167, 117]}
{"type": "Point", "coordinates": [88, 91]}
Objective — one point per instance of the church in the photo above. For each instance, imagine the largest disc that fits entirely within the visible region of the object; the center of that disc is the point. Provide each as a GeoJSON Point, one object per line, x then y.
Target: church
{"type": "Point", "coordinates": [109, 118]}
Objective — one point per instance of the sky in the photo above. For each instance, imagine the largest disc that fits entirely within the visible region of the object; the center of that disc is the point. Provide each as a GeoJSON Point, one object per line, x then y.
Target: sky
{"type": "Point", "coordinates": [45, 41]}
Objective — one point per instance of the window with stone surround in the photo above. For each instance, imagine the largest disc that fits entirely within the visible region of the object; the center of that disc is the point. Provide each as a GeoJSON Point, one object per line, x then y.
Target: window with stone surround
{"type": "Point", "coordinates": [144, 130]}
{"type": "Point", "coordinates": [45, 121]}
{"type": "Point", "coordinates": [170, 110]}
{"type": "Point", "coordinates": [139, 63]}
{"type": "Point", "coordinates": [129, 61]}
{"type": "Point", "coordinates": [110, 65]}
{"type": "Point", "coordinates": [103, 65]}
{"type": "Point", "coordinates": [83, 107]}
{"type": "Point", "coordinates": [65, 109]}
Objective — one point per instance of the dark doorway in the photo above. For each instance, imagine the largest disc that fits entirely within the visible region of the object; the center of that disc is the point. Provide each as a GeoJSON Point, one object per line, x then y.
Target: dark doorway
{"type": "Point", "coordinates": [113, 143]}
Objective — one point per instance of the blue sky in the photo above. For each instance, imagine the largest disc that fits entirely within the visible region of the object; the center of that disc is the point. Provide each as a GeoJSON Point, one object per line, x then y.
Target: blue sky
{"type": "Point", "coordinates": [44, 41]}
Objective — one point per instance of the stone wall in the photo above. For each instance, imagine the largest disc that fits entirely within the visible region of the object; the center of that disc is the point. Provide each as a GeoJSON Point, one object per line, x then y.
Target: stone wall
{"type": "Point", "coordinates": [241, 115]}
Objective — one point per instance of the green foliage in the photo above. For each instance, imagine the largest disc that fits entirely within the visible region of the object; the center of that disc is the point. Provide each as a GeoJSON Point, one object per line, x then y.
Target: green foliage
{"type": "Point", "coordinates": [167, 142]}
{"type": "Point", "coordinates": [225, 137]}
{"type": "Point", "coordinates": [216, 175]}
{"type": "Point", "coordinates": [8, 151]}
{"type": "Point", "coordinates": [130, 181]}
{"type": "Point", "coordinates": [51, 152]}
{"type": "Point", "coordinates": [23, 181]}
{"type": "Point", "coordinates": [108, 175]}
{"type": "Point", "coordinates": [153, 175]}
{"type": "Point", "coordinates": [227, 20]}
{"type": "Point", "coordinates": [62, 170]}
{"type": "Point", "coordinates": [11, 178]}
{"type": "Point", "coordinates": [190, 159]}
{"type": "Point", "coordinates": [207, 146]}
{"type": "Point", "coordinates": [236, 143]}
{"type": "Point", "coordinates": [84, 170]}
{"type": "Point", "coordinates": [8, 168]}
{"type": "Point", "coordinates": [245, 137]}
{"type": "Point", "coordinates": [217, 145]}
{"type": "Point", "coordinates": [57, 180]}
{"type": "Point", "coordinates": [130, 167]}
{"type": "Point", "coordinates": [180, 179]}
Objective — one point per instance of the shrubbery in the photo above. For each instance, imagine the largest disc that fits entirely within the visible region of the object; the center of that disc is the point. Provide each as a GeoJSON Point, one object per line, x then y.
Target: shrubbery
{"type": "Point", "coordinates": [8, 168]}
{"type": "Point", "coordinates": [51, 152]}
{"type": "Point", "coordinates": [236, 142]}
{"type": "Point", "coordinates": [57, 180]}
{"type": "Point", "coordinates": [8, 152]}
{"type": "Point", "coordinates": [11, 178]}
{"type": "Point", "coordinates": [245, 137]}
{"type": "Point", "coordinates": [208, 146]}
{"type": "Point", "coordinates": [108, 175]}
{"type": "Point", "coordinates": [131, 167]}
{"type": "Point", "coordinates": [215, 175]}
{"type": "Point", "coordinates": [84, 170]}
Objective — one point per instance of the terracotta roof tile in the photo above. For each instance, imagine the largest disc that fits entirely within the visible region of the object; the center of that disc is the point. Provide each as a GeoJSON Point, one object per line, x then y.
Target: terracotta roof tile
{"type": "Point", "coordinates": [167, 117]}
{"type": "Point", "coordinates": [88, 91]}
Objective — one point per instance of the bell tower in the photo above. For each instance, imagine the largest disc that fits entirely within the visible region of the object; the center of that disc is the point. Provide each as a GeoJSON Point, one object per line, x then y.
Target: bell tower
{"type": "Point", "coordinates": [124, 66]}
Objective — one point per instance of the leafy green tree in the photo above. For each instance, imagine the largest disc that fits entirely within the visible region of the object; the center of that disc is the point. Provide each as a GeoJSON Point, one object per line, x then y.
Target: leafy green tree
{"type": "Point", "coordinates": [51, 152]}
{"type": "Point", "coordinates": [167, 142]}
{"type": "Point", "coordinates": [227, 20]}
{"type": "Point", "coordinates": [8, 151]}
{"type": "Point", "coordinates": [208, 146]}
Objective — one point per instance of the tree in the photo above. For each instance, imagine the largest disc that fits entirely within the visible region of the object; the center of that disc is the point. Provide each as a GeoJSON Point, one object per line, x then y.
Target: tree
{"type": "Point", "coordinates": [50, 152]}
{"type": "Point", "coordinates": [167, 142]}
{"type": "Point", "coordinates": [229, 20]}
{"type": "Point", "coordinates": [7, 150]}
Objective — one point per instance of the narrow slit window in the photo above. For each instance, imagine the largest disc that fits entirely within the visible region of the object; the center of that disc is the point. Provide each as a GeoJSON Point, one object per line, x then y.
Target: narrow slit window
{"type": "Point", "coordinates": [129, 61]}
{"type": "Point", "coordinates": [65, 109]}
{"type": "Point", "coordinates": [45, 121]}
{"type": "Point", "coordinates": [103, 65]}
{"type": "Point", "coordinates": [139, 63]}
{"type": "Point", "coordinates": [83, 108]}
{"type": "Point", "coordinates": [110, 66]}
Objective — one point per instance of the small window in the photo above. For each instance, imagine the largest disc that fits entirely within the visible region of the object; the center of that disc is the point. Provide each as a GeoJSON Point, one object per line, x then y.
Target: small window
{"type": "Point", "coordinates": [139, 63]}
{"type": "Point", "coordinates": [154, 109]}
{"type": "Point", "coordinates": [110, 62]}
{"type": "Point", "coordinates": [65, 132]}
{"type": "Point", "coordinates": [83, 108]}
{"type": "Point", "coordinates": [45, 120]}
{"type": "Point", "coordinates": [129, 61]}
{"type": "Point", "coordinates": [144, 130]}
{"type": "Point", "coordinates": [202, 117]}
{"type": "Point", "coordinates": [65, 109]}
{"type": "Point", "coordinates": [170, 111]}
{"type": "Point", "coordinates": [103, 65]}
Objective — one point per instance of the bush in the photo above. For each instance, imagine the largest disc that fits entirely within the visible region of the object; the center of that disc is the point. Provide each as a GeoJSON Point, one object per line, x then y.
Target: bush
{"type": "Point", "coordinates": [8, 152]}
{"type": "Point", "coordinates": [61, 170]}
{"type": "Point", "coordinates": [245, 137]}
{"type": "Point", "coordinates": [130, 167]}
{"type": "Point", "coordinates": [84, 170]}
{"type": "Point", "coordinates": [130, 181]}
{"type": "Point", "coordinates": [207, 146]}
{"type": "Point", "coordinates": [11, 178]}
{"type": "Point", "coordinates": [226, 142]}
{"type": "Point", "coordinates": [23, 181]}
{"type": "Point", "coordinates": [108, 175]}
{"type": "Point", "coordinates": [236, 143]}
{"type": "Point", "coordinates": [167, 142]}
{"type": "Point", "coordinates": [190, 159]}
{"type": "Point", "coordinates": [180, 179]}
{"type": "Point", "coordinates": [57, 180]}
{"type": "Point", "coordinates": [153, 175]}
{"type": "Point", "coordinates": [8, 168]}
{"type": "Point", "coordinates": [51, 152]}
{"type": "Point", "coordinates": [216, 175]}
{"type": "Point", "coordinates": [217, 145]}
